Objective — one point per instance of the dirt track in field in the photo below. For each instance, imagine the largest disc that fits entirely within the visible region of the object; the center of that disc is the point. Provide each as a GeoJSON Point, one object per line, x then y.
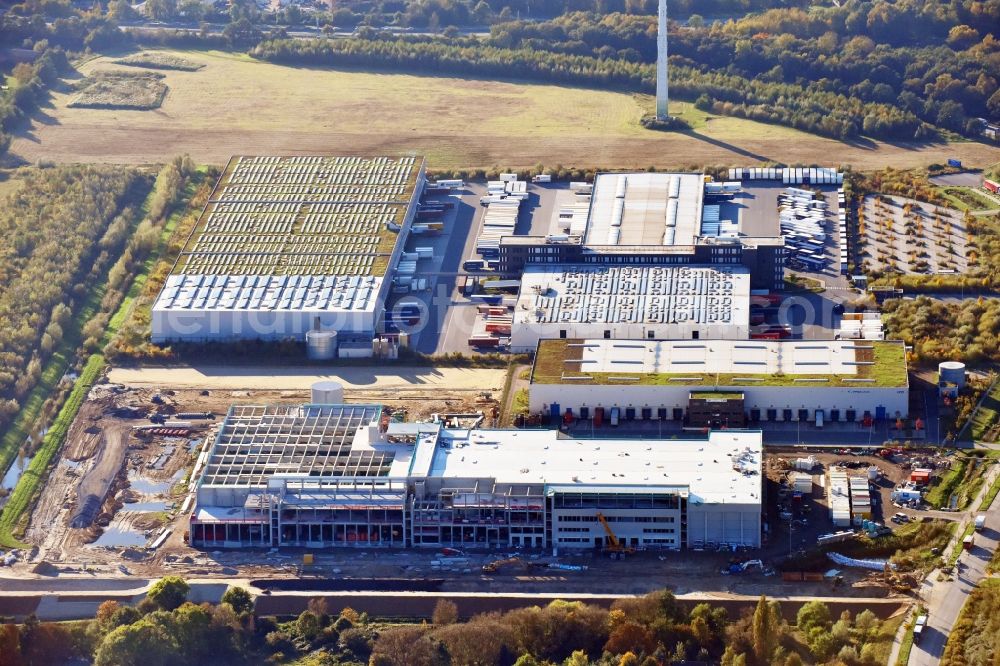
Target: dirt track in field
{"type": "Point", "coordinates": [141, 145]}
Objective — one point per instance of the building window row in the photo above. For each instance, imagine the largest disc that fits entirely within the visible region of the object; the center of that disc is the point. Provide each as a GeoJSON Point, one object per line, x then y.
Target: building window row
{"type": "Point", "coordinates": [616, 519]}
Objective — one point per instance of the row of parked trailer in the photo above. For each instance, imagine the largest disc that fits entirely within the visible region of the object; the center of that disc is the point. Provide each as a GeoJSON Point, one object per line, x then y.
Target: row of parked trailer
{"type": "Point", "coordinates": [802, 221]}
{"type": "Point", "coordinates": [842, 229]}
{"type": "Point", "coordinates": [790, 175]}
{"type": "Point", "coordinates": [503, 203]}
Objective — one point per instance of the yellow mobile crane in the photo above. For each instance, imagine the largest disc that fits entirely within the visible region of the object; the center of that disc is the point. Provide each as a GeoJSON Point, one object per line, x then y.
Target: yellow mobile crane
{"type": "Point", "coordinates": [613, 545]}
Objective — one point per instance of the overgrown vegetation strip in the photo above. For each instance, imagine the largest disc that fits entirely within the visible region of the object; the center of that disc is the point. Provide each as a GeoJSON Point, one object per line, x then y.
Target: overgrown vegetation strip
{"type": "Point", "coordinates": [157, 204]}
{"type": "Point", "coordinates": [31, 480]}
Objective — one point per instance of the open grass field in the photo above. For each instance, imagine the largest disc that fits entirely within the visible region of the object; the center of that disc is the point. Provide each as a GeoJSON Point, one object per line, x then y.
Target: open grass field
{"type": "Point", "coordinates": [235, 105]}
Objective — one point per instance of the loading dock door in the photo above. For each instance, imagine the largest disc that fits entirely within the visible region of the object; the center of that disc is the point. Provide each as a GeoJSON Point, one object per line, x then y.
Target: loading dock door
{"type": "Point", "coordinates": [880, 413]}
{"type": "Point", "coordinates": [554, 410]}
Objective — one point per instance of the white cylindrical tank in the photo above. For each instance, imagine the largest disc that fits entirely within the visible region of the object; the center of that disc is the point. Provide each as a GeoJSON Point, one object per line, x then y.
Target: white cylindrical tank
{"type": "Point", "coordinates": [951, 372]}
{"type": "Point", "coordinates": [321, 345]}
{"type": "Point", "coordinates": [327, 392]}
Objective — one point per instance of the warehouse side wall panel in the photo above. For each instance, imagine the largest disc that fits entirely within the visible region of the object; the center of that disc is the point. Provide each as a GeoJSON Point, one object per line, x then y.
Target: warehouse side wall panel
{"type": "Point", "coordinates": [568, 396]}
{"type": "Point", "coordinates": [723, 523]}
{"type": "Point", "coordinates": [201, 325]}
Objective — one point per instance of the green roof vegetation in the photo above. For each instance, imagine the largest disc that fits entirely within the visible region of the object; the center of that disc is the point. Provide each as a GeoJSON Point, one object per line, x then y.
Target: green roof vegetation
{"type": "Point", "coordinates": [270, 221]}
{"type": "Point", "coordinates": [884, 365]}
{"type": "Point", "coordinates": [716, 395]}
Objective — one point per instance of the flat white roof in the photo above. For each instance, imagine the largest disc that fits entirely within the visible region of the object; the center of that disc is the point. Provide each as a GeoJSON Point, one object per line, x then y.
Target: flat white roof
{"type": "Point", "coordinates": [573, 293]}
{"type": "Point", "coordinates": [640, 208]}
{"type": "Point", "coordinates": [725, 468]}
{"type": "Point", "coordinates": [756, 357]}
{"type": "Point", "coordinates": [270, 293]}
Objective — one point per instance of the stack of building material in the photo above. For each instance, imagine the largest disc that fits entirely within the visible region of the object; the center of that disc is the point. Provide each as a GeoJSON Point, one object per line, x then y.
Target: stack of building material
{"type": "Point", "coordinates": [802, 483]}
{"type": "Point", "coordinates": [839, 494]}
{"type": "Point", "coordinates": [861, 500]}
{"type": "Point", "coordinates": [806, 464]}
{"type": "Point", "coordinates": [862, 326]}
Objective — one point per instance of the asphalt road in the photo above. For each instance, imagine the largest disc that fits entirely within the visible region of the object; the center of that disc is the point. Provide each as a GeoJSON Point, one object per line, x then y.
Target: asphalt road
{"type": "Point", "coordinates": [945, 599]}
{"type": "Point", "coordinates": [962, 179]}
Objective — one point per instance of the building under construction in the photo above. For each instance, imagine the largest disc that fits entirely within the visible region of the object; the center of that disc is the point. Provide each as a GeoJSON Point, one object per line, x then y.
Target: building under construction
{"type": "Point", "coordinates": [339, 475]}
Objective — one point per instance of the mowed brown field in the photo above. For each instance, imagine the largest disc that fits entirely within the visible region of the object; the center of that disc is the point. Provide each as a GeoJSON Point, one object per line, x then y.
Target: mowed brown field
{"type": "Point", "coordinates": [236, 105]}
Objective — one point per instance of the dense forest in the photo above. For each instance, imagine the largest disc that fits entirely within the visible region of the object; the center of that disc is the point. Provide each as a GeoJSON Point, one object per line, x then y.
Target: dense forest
{"type": "Point", "coordinates": [61, 230]}
{"type": "Point", "coordinates": [967, 330]}
{"type": "Point", "coordinates": [652, 630]}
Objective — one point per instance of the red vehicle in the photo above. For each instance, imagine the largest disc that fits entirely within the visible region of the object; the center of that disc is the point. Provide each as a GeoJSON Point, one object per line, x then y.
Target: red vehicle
{"type": "Point", "coordinates": [991, 186]}
{"type": "Point", "coordinates": [765, 336]}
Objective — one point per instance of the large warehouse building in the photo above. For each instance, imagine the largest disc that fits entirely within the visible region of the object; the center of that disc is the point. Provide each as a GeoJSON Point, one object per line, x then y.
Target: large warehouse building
{"type": "Point", "coordinates": [333, 475]}
{"type": "Point", "coordinates": [721, 383]}
{"type": "Point", "coordinates": [650, 219]}
{"type": "Point", "coordinates": [291, 244]}
{"type": "Point", "coordinates": [623, 302]}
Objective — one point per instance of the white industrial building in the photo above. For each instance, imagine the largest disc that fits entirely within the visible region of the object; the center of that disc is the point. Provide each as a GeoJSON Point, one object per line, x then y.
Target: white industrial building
{"type": "Point", "coordinates": [288, 245]}
{"type": "Point", "coordinates": [338, 475]}
{"type": "Point", "coordinates": [631, 301]}
{"type": "Point", "coordinates": [776, 380]}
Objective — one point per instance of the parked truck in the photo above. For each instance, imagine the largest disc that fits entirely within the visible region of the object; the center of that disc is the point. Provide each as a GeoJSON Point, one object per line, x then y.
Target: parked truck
{"type": "Point", "coordinates": [980, 522]}
{"type": "Point", "coordinates": [968, 542]}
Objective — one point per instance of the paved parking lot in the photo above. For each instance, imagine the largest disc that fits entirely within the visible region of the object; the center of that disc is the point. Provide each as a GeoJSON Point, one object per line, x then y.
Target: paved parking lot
{"type": "Point", "coordinates": [446, 316]}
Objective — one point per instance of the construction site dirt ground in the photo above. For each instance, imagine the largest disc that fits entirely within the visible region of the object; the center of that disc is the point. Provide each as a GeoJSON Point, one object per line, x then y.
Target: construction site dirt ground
{"type": "Point", "coordinates": [112, 492]}
{"type": "Point", "coordinates": [300, 378]}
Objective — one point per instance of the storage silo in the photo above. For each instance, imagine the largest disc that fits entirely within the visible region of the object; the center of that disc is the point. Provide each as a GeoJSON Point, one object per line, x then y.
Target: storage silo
{"type": "Point", "coordinates": [327, 392]}
{"type": "Point", "coordinates": [321, 345]}
{"type": "Point", "coordinates": [951, 373]}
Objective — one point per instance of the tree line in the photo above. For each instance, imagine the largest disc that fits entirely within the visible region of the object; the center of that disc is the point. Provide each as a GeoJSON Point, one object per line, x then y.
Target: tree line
{"type": "Point", "coordinates": [824, 112]}
{"type": "Point", "coordinates": [652, 630]}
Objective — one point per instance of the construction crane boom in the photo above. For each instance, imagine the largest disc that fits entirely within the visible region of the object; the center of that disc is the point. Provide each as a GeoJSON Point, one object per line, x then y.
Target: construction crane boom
{"type": "Point", "coordinates": [612, 539]}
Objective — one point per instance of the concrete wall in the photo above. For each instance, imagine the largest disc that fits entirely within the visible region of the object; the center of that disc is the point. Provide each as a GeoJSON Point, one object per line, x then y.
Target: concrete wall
{"type": "Point", "coordinates": [542, 396]}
